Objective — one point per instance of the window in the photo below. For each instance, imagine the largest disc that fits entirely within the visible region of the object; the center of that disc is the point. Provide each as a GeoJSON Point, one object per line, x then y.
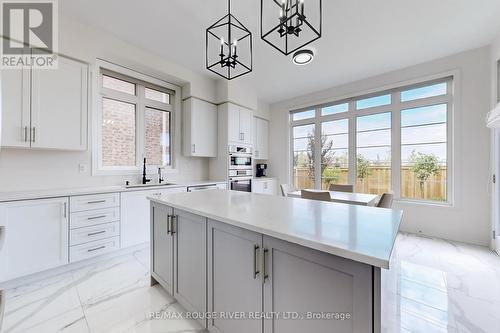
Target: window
{"type": "Point", "coordinates": [423, 152]}
{"type": "Point", "coordinates": [304, 115]}
{"type": "Point", "coordinates": [118, 133]}
{"type": "Point", "coordinates": [396, 141]}
{"type": "Point", "coordinates": [373, 153]}
{"type": "Point", "coordinates": [303, 156]}
{"type": "Point", "coordinates": [334, 153]}
{"type": "Point", "coordinates": [373, 102]}
{"type": "Point", "coordinates": [135, 123]}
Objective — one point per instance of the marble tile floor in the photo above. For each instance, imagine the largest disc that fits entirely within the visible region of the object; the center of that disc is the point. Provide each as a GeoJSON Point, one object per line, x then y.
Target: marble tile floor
{"type": "Point", "coordinates": [433, 286]}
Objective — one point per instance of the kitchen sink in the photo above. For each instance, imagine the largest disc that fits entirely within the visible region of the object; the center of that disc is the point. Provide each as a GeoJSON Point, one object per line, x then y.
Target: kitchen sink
{"type": "Point", "coordinates": [148, 185]}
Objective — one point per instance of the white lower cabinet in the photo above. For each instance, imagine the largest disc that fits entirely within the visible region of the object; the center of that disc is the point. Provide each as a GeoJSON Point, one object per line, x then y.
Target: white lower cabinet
{"type": "Point", "coordinates": [179, 256]}
{"type": "Point", "coordinates": [94, 225]}
{"type": "Point", "coordinates": [34, 236]}
{"type": "Point", "coordinates": [135, 219]}
{"type": "Point", "coordinates": [93, 248]}
{"type": "Point", "coordinates": [265, 186]}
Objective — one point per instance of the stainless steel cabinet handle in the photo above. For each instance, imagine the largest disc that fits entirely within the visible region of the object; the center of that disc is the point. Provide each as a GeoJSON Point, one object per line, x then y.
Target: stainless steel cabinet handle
{"type": "Point", "coordinates": [97, 248]}
{"type": "Point", "coordinates": [173, 224]}
{"type": "Point", "coordinates": [25, 133]}
{"type": "Point", "coordinates": [33, 138]}
{"type": "Point", "coordinates": [96, 202]}
{"type": "Point", "coordinates": [255, 270]}
{"type": "Point", "coordinates": [96, 217]}
{"type": "Point", "coordinates": [3, 229]}
{"type": "Point", "coordinates": [169, 220]}
{"type": "Point", "coordinates": [96, 233]}
{"type": "Point", "coordinates": [65, 209]}
{"type": "Point", "coordinates": [265, 276]}
{"type": "Point", "coordinates": [194, 148]}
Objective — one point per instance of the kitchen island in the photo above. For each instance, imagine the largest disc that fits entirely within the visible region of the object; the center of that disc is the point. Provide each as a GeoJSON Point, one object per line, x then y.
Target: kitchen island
{"type": "Point", "coordinates": [243, 262]}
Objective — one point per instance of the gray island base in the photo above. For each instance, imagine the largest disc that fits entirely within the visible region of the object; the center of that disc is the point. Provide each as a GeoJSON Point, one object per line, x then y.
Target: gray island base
{"type": "Point", "coordinates": [247, 263]}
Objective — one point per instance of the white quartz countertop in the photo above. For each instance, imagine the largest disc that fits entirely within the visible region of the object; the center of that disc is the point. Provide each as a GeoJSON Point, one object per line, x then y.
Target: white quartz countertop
{"type": "Point", "coordinates": [72, 191]}
{"type": "Point", "coordinates": [363, 234]}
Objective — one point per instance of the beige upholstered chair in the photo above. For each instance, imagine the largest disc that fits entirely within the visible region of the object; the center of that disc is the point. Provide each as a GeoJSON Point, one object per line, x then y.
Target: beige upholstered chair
{"type": "Point", "coordinates": [385, 200]}
{"type": "Point", "coordinates": [284, 189]}
{"type": "Point", "coordinates": [315, 195]}
{"type": "Point", "coordinates": [341, 188]}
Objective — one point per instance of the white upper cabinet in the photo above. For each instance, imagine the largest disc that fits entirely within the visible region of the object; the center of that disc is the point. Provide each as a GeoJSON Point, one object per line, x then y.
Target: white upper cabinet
{"type": "Point", "coordinates": [246, 118]}
{"type": "Point", "coordinates": [199, 128]}
{"type": "Point", "coordinates": [59, 106]}
{"type": "Point", "coordinates": [46, 109]}
{"type": "Point", "coordinates": [239, 124]}
{"type": "Point", "coordinates": [260, 138]}
{"type": "Point", "coordinates": [15, 107]}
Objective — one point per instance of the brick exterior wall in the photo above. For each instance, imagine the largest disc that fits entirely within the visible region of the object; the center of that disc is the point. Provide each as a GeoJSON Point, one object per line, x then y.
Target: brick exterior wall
{"type": "Point", "coordinates": [157, 129]}
{"type": "Point", "coordinates": [118, 133]}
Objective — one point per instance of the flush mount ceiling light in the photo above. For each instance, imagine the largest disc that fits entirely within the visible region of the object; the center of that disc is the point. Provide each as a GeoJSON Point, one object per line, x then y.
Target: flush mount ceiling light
{"type": "Point", "coordinates": [303, 57]}
{"type": "Point", "coordinates": [229, 47]}
{"type": "Point", "coordinates": [289, 25]}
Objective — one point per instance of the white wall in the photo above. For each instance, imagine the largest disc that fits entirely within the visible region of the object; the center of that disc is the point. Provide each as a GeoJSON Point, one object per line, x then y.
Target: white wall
{"type": "Point", "coordinates": [469, 219]}
{"type": "Point", "coordinates": [29, 169]}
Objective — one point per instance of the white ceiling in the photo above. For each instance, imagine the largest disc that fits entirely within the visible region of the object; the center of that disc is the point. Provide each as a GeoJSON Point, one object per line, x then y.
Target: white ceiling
{"type": "Point", "coordinates": [361, 38]}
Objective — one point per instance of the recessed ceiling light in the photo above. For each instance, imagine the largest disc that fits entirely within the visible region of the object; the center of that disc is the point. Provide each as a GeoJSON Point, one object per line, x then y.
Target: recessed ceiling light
{"type": "Point", "coordinates": [303, 57]}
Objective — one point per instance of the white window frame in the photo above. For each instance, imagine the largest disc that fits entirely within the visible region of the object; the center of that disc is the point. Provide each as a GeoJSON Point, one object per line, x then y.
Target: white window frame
{"type": "Point", "coordinates": [142, 81]}
{"type": "Point", "coordinates": [451, 99]}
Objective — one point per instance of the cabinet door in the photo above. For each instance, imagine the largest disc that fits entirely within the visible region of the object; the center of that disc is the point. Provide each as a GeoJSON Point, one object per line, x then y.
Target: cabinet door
{"type": "Point", "coordinates": [135, 215]}
{"type": "Point", "coordinates": [256, 138]}
{"type": "Point", "coordinates": [263, 139]}
{"type": "Point", "coordinates": [303, 280]}
{"type": "Point", "coordinates": [190, 233]}
{"type": "Point", "coordinates": [233, 119]}
{"type": "Point", "coordinates": [258, 186]}
{"type": "Point", "coordinates": [162, 247]}
{"type": "Point", "coordinates": [234, 284]}
{"type": "Point", "coordinates": [34, 236]}
{"type": "Point", "coordinates": [246, 124]}
{"type": "Point", "coordinates": [59, 106]}
{"type": "Point", "coordinates": [203, 129]}
{"type": "Point", "coordinates": [15, 107]}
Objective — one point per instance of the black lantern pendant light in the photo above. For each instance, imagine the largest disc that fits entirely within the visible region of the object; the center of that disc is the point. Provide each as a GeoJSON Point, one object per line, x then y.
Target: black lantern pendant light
{"type": "Point", "coordinates": [229, 47]}
{"type": "Point", "coordinates": [289, 25]}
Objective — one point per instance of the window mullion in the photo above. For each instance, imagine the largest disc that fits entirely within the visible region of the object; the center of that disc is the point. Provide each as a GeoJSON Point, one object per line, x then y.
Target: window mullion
{"type": "Point", "coordinates": [396, 145]}
{"type": "Point", "coordinates": [317, 149]}
{"type": "Point", "coordinates": [140, 125]}
{"type": "Point", "coordinates": [352, 143]}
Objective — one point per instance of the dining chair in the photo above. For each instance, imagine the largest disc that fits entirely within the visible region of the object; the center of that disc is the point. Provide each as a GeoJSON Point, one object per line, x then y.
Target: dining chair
{"type": "Point", "coordinates": [385, 200]}
{"type": "Point", "coordinates": [315, 195]}
{"type": "Point", "coordinates": [285, 188]}
{"type": "Point", "coordinates": [341, 188]}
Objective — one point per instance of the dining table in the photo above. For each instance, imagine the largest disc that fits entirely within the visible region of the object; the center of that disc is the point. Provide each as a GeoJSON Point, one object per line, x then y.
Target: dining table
{"type": "Point", "coordinates": [351, 198]}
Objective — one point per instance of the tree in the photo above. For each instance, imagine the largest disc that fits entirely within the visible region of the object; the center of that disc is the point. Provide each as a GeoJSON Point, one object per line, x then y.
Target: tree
{"type": "Point", "coordinates": [363, 165]}
{"type": "Point", "coordinates": [327, 156]}
{"type": "Point", "coordinates": [423, 166]}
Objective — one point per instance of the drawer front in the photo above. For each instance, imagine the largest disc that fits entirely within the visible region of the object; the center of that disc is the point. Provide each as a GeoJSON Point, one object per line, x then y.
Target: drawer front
{"type": "Point", "coordinates": [96, 201]}
{"type": "Point", "coordinates": [93, 249]}
{"type": "Point", "coordinates": [93, 233]}
{"type": "Point", "coordinates": [92, 217]}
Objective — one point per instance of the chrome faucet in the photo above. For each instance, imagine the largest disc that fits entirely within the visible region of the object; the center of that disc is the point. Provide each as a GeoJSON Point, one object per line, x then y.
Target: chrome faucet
{"type": "Point", "coordinates": [144, 179]}
{"type": "Point", "coordinates": [160, 178]}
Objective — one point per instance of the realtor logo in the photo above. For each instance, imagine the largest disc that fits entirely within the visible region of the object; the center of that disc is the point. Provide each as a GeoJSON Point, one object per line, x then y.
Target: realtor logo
{"type": "Point", "coordinates": [29, 34]}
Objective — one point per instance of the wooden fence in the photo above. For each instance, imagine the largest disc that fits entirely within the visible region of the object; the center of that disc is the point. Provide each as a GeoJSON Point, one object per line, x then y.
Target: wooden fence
{"type": "Point", "coordinates": [379, 181]}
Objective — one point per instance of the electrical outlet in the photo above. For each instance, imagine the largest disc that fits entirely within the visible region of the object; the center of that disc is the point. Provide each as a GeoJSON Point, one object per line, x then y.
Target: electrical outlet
{"type": "Point", "coordinates": [82, 168]}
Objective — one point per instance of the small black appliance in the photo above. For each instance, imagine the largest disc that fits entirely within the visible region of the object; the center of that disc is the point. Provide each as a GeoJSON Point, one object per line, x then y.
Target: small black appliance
{"type": "Point", "coordinates": [261, 170]}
